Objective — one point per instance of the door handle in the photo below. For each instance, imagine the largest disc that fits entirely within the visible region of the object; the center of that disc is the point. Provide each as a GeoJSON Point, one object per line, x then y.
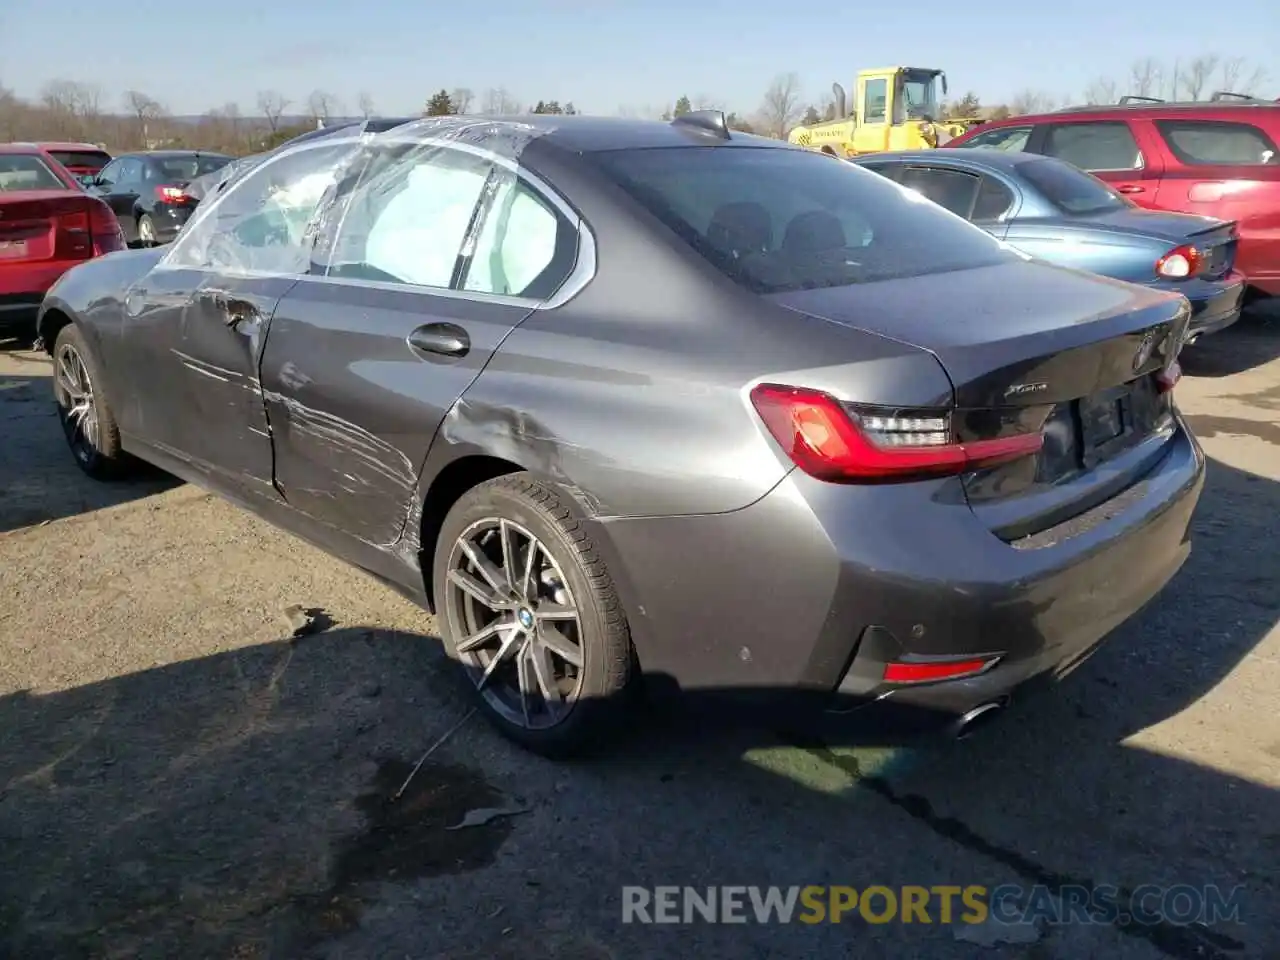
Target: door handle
{"type": "Point", "coordinates": [445, 339]}
{"type": "Point", "coordinates": [1131, 188]}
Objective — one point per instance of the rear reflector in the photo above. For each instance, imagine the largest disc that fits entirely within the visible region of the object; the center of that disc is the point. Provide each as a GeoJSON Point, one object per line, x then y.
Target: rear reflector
{"type": "Point", "coordinates": [928, 672]}
{"type": "Point", "coordinates": [831, 441]}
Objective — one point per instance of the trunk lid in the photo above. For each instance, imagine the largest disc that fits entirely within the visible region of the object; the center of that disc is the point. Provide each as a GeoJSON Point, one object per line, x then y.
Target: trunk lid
{"type": "Point", "coordinates": [38, 225]}
{"type": "Point", "coordinates": [1215, 239]}
{"type": "Point", "coordinates": [1032, 347]}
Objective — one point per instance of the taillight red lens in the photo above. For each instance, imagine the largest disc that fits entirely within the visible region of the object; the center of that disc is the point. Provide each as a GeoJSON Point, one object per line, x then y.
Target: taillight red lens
{"type": "Point", "coordinates": [170, 195]}
{"type": "Point", "coordinates": [75, 222]}
{"type": "Point", "coordinates": [1168, 378]}
{"type": "Point", "coordinates": [1180, 263]}
{"type": "Point", "coordinates": [830, 441]}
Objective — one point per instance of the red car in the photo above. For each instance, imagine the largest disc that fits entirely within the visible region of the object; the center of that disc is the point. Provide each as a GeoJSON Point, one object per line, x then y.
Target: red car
{"type": "Point", "coordinates": [81, 159]}
{"type": "Point", "coordinates": [48, 224]}
{"type": "Point", "coordinates": [1218, 158]}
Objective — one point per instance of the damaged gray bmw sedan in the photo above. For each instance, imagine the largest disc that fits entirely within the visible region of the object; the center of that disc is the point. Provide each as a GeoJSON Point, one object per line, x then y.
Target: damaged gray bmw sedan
{"type": "Point", "coordinates": [624, 400]}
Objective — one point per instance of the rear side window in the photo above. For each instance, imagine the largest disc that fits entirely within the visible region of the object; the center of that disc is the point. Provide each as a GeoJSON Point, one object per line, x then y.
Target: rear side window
{"type": "Point", "coordinates": [1108, 145]}
{"type": "Point", "coordinates": [81, 159]}
{"type": "Point", "coordinates": [777, 219]}
{"type": "Point", "coordinates": [994, 201]}
{"type": "Point", "coordinates": [1206, 142]}
{"type": "Point", "coordinates": [26, 171]}
{"type": "Point", "coordinates": [525, 248]}
{"type": "Point", "coordinates": [1070, 190]}
{"type": "Point", "coordinates": [949, 189]}
{"type": "Point", "coordinates": [188, 168]}
{"type": "Point", "coordinates": [1008, 139]}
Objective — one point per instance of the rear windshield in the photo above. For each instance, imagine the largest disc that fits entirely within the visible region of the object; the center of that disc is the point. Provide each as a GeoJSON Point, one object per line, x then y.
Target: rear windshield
{"type": "Point", "coordinates": [776, 219]}
{"type": "Point", "coordinates": [1069, 189]}
{"type": "Point", "coordinates": [188, 168]}
{"type": "Point", "coordinates": [26, 171]}
{"type": "Point", "coordinates": [81, 160]}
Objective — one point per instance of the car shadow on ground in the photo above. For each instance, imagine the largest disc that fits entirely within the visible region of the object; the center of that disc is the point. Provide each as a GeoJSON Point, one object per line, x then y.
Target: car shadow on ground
{"type": "Point", "coordinates": [241, 804]}
{"type": "Point", "coordinates": [39, 480]}
{"type": "Point", "coordinates": [1250, 342]}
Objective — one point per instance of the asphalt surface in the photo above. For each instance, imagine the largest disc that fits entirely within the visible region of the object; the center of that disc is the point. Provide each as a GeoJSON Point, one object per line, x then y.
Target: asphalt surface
{"type": "Point", "coordinates": [181, 778]}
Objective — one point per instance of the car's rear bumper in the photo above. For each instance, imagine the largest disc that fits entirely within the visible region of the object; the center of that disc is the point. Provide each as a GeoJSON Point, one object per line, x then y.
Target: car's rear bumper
{"type": "Point", "coordinates": [22, 288]}
{"type": "Point", "coordinates": [1216, 306]}
{"type": "Point", "coordinates": [801, 598]}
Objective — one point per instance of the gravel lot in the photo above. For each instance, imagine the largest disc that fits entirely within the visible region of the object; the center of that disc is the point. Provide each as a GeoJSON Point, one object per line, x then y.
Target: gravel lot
{"type": "Point", "coordinates": [179, 778]}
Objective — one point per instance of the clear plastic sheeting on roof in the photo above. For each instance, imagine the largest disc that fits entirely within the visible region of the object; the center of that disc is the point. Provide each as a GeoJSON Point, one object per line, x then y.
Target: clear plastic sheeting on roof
{"type": "Point", "coordinates": [350, 203]}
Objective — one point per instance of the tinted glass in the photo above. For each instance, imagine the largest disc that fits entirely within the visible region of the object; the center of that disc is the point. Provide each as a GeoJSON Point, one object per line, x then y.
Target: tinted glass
{"type": "Point", "coordinates": [949, 189]}
{"type": "Point", "coordinates": [1008, 139]}
{"type": "Point", "coordinates": [187, 168]}
{"type": "Point", "coordinates": [1094, 146]}
{"type": "Point", "coordinates": [81, 160]}
{"type": "Point", "coordinates": [26, 171]}
{"type": "Point", "coordinates": [1200, 142]}
{"type": "Point", "coordinates": [1070, 190]}
{"type": "Point", "coordinates": [777, 219]}
{"type": "Point", "coordinates": [994, 201]}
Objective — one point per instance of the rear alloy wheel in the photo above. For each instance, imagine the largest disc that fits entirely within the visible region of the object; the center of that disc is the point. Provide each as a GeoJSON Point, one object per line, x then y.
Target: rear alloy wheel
{"type": "Point", "coordinates": [146, 231]}
{"type": "Point", "coordinates": [86, 420]}
{"type": "Point", "coordinates": [529, 611]}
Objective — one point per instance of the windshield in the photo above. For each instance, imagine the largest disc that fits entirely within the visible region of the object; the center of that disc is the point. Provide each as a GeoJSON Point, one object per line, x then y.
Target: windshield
{"type": "Point", "coordinates": [919, 94]}
{"type": "Point", "coordinates": [81, 161]}
{"type": "Point", "coordinates": [26, 171]}
{"type": "Point", "coordinates": [776, 219]}
{"type": "Point", "coordinates": [1069, 189]}
{"type": "Point", "coordinates": [188, 168]}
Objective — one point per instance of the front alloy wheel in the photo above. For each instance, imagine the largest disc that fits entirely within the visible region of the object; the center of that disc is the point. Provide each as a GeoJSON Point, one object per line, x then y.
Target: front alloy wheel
{"type": "Point", "coordinates": [76, 406]}
{"type": "Point", "coordinates": [520, 630]}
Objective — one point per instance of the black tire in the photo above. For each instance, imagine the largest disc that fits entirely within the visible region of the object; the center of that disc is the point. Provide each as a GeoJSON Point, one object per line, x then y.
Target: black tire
{"type": "Point", "coordinates": [103, 457]}
{"type": "Point", "coordinates": [150, 228]}
{"type": "Point", "coordinates": [603, 692]}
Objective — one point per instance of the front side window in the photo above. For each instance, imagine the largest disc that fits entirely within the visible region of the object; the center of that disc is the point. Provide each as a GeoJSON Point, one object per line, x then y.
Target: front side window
{"type": "Point", "coordinates": [525, 248]}
{"type": "Point", "coordinates": [876, 95]}
{"type": "Point", "coordinates": [261, 223]}
{"type": "Point", "coordinates": [1207, 142]}
{"type": "Point", "coordinates": [775, 219]}
{"type": "Point", "coordinates": [950, 189]}
{"type": "Point", "coordinates": [110, 173]}
{"type": "Point", "coordinates": [1070, 190]}
{"type": "Point", "coordinates": [407, 218]}
{"type": "Point", "coordinates": [27, 171]}
{"type": "Point", "coordinates": [1108, 145]}
{"type": "Point", "coordinates": [1008, 139]}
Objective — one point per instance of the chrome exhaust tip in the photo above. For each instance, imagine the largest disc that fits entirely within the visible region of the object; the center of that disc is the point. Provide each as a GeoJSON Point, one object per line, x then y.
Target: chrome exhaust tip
{"type": "Point", "coordinates": [976, 718]}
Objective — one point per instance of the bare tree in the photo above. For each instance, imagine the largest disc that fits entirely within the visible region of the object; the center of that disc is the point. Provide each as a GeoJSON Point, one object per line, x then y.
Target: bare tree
{"type": "Point", "coordinates": [781, 108]}
{"type": "Point", "coordinates": [461, 98]}
{"type": "Point", "coordinates": [499, 103]}
{"type": "Point", "coordinates": [1235, 80]}
{"type": "Point", "coordinates": [1101, 91]}
{"type": "Point", "coordinates": [1031, 101]}
{"type": "Point", "coordinates": [365, 104]}
{"type": "Point", "coordinates": [322, 105]}
{"type": "Point", "coordinates": [272, 104]}
{"type": "Point", "coordinates": [12, 111]}
{"type": "Point", "coordinates": [1144, 77]}
{"type": "Point", "coordinates": [147, 110]}
{"type": "Point", "coordinates": [71, 107]}
{"type": "Point", "coordinates": [705, 101]}
{"type": "Point", "coordinates": [1196, 76]}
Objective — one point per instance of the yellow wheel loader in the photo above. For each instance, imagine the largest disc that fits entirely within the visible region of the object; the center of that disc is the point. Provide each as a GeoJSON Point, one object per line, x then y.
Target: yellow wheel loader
{"type": "Point", "coordinates": [895, 108]}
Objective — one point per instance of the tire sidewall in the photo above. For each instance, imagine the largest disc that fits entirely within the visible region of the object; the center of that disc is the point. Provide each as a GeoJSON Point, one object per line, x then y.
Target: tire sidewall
{"type": "Point", "coordinates": [500, 500]}
{"type": "Point", "coordinates": [71, 335]}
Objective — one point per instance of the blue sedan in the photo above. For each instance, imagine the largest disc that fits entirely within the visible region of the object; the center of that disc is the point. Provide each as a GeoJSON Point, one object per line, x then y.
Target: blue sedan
{"type": "Point", "coordinates": [1055, 212]}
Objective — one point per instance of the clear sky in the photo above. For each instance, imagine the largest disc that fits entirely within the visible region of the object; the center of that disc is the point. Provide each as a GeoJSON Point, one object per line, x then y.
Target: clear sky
{"type": "Point", "coordinates": [602, 55]}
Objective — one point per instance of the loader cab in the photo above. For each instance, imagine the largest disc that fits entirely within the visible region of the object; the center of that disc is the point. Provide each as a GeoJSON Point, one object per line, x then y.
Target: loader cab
{"type": "Point", "coordinates": [893, 104]}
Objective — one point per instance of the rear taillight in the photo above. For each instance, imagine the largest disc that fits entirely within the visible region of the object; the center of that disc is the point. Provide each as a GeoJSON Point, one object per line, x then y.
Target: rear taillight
{"type": "Point", "coordinates": [76, 223]}
{"type": "Point", "coordinates": [170, 195]}
{"type": "Point", "coordinates": [1180, 263]}
{"type": "Point", "coordinates": [1168, 378]}
{"type": "Point", "coordinates": [846, 444]}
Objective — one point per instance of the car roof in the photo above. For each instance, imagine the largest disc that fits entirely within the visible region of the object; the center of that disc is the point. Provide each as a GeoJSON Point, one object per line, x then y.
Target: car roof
{"type": "Point", "coordinates": [1198, 110]}
{"type": "Point", "coordinates": [55, 145]}
{"type": "Point", "coordinates": [577, 133]}
{"type": "Point", "coordinates": [170, 154]}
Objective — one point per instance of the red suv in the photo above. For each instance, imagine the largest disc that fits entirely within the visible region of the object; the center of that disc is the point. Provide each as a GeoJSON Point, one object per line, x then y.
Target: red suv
{"type": "Point", "coordinates": [1218, 159]}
